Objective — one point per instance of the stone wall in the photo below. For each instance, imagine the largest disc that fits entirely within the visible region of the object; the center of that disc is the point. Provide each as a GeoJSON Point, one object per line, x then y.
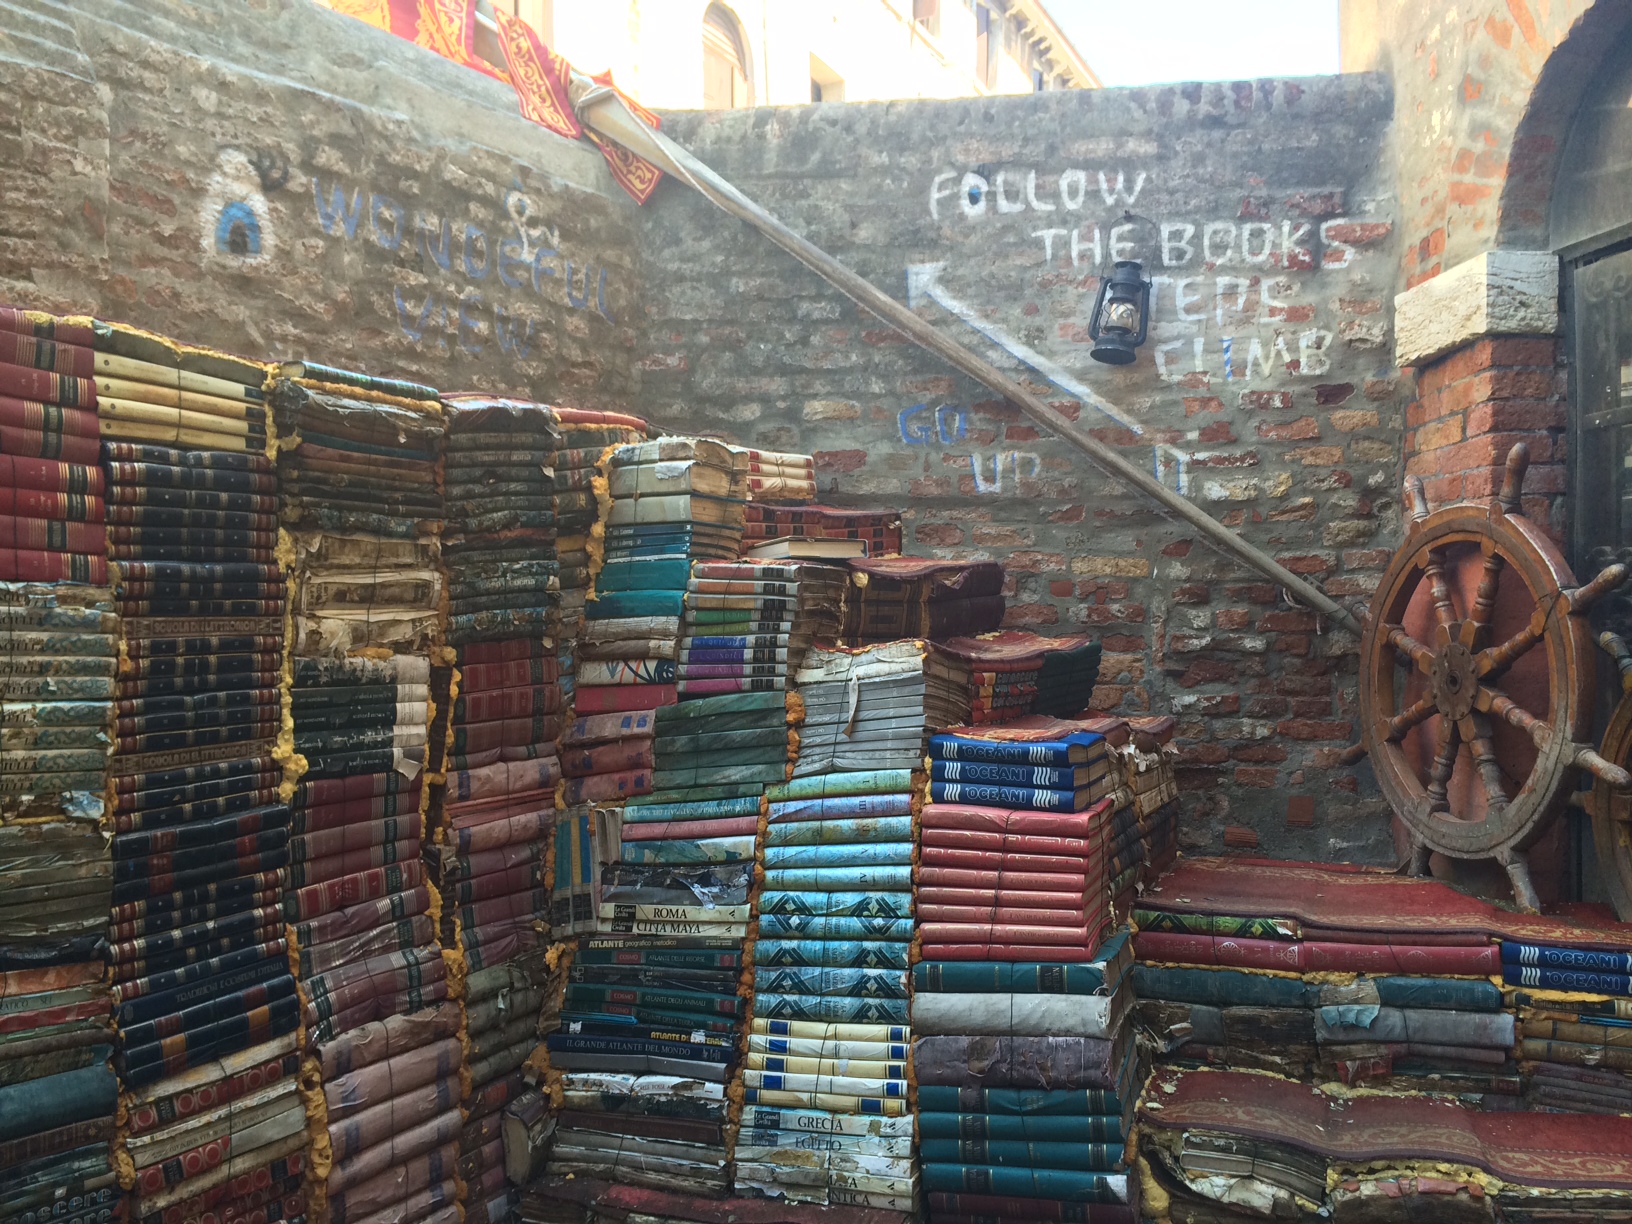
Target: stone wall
{"type": "Point", "coordinates": [1266, 391]}
{"type": "Point", "coordinates": [270, 178]}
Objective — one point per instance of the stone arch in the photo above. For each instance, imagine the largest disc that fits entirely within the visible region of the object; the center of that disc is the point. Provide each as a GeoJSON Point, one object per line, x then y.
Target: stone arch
{"type": "Point", "coordinates": [1538, 139]}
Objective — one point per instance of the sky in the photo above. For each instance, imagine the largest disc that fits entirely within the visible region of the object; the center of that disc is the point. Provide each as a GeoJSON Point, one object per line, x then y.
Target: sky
{"type": "Point", "coordinates": [1149, 42]}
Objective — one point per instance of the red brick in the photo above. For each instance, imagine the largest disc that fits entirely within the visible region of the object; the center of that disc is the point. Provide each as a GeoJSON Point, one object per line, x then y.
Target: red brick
{"type": "Point", "coordinates": [931, 486]}
{"type": "Point", "coordinates": [1300, 811]}
{"type": "Point", "coordinates": [1217, 433]}
{"type": "Point", "coordinates": [1358, 233]}
{"type": "Point", "coordinates": [1020, 433]}
{"type": "Point", "coordinates": [1430, 437]}
{"type": "Point", "coordinates": [1260, 753]}
{"type": "Point", "coordinates": [840, 461]}
{"type": "Point", "coordinates": [1287, 621]}
{"type": "Point", "coordinates": [1298, 644]}
{"type": "Point", "coordinates": [1122, 642]}
{"type": "Point", "coordinates": [1262, 777]}
{"type": "Point", "coordinates": [1379, 388]}
{"type": "Point", "coordinates": [1505, 416]}
{"type": "Point", "coordinates": [1069, 514]}
{"type": "Point", "coordinates": [1024, 615]}
{"type": "Point", "coordinates": [1206, 754]}
{"type": "Point", "coordinates": [1366, 558]}
{"type": "Point", "coordinates": [1206, 671]}
{"type": "Point", "coordinates": [1514, 384]}
{"type": "Point", "coordinates": [1194, 404]}
{"type": "Point", "coordinates": [1254, 592]}
{"type": "Point", "coordinates": [1305, 563]}
{"type": "Point", "coordinates": [938, 535]}
{"type": "Point", "coordinates": [1239, 837]}
{"type": "Point", "coordinates": [1061, 590]}
{"type": "Point", "coordinates": [1311, 707]}
{"type": "Point", "coordinates": [1300, 430]}
{"type": "Point", "coordinates": [1190, 593]}
{"type": "Point", "coordinates": [1232, 618]}
{"type": "Point", "coordinates": [1328, 394]}
{"type": "Point", "coordinates": [1314, 729]}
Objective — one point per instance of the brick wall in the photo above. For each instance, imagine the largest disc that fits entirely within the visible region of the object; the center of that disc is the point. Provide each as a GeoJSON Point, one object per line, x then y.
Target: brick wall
{"type": "Point", "coordinates": [1266, 391]}
{"type": "Point", "coordinates": [1473, 405]}
{"type": "Point", "coordinates": [270, 178]}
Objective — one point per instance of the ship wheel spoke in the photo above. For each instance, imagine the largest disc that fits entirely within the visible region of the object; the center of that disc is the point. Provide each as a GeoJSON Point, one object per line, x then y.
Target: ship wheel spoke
{"type": "Point", "coordinates": [1515, 715]}
{"type": "Point", "coordinates": [1484, 595]}
{"type": "Point", "coordinates": [1439, 774]}
{"type": "Point", "coordinates": [1495, 661]}
{"type": "Point", "coordinates": [1412, 716]}
{"type": "Point", "coordinates": [1444, 609]}
{"type": "Point", "coordinates": [1411, 650]}
{"type": "Point", "coordinates": [1476, 730]}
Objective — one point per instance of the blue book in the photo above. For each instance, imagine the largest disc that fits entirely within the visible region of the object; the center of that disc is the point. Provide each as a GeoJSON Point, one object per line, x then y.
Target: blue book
{"type": "Point", "coordinates": [1567, 979]}
{"type": "Point", "coordinates": [1046, 777]}
{"type": "Point", "coordinates": [855, 854]}
{"type": "Point", "coordinates": [823, 980]}
{"type": "Point", "coordinates": [644, 575]}
{"type": "Point", "coordinates": [825, 927]}
{"type": "Point", "coordinates": [1064, 1185]}
{"type": "Point", "coordinates": [1587, 959]}
{"type": "Point", "coordinates": [1024, 1153]}
{"type": "Point", "coordinates": [1029, 798]}
{"type": "Point", "coordinates": [1078, 748]}
{"type": "Point", "coordinates": [617, 605]}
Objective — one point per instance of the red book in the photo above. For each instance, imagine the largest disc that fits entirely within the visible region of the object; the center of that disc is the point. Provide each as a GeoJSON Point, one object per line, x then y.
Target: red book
{"type": "Point", "coordinates": [41, 503]}
{"type": "Point", "coordinates": [38, 444]}
{"type": "Point", "coordinates": [301, 904]}
{"type": "Point", "coordinates": [477, 812]}
{"type": "Point", "coordinates": [1015, 952]}
{"type": "Point", "coordinates": [1004, 820]}
{"type": "Point", "coordinates": [502, 652]}
{"type": "Point", "coordinates": [477, 677]}
{"type": "Point", "coordinates": [23, 565]}
{"type": "Point", "coordinates": [994, 913]}
{"type": "Point", "coordinates": [616, 698]}
{"type": "Point", "coordinates": [503, 703]}
{"type": "Point", "coordinates": [50, 475]}
{"type": "Point", "coordinates": [1018, 843]}
{"type": "Point", "coordinates": [605, 787]}
{"type": "Point", "coordinates": [955, 877]}
{"type": "Point", "coordinates": [690, 830]}
{"type": "Point", "coordinates": [47, 418]}
{"type": "Point", "coordinates": [980, 860]}
{"type": "Point", "coordinates": [1002, 933]}
{"type": "Point", "coordinates": [1411, 959]}
{"type": "Point", "coordinates": [350, 862]}
{"type": "Point", "coordinates": [45, 326]}
{"type": "Point", "coordinates": [617, 757]}
{"type": "Point", "coordinates": [1173, 947]}
{"type": "Point", "coordinates": [52, 535]}
{"type": "Point", "coordinates": [46, 354]}
{"type": "Point", "coordinates": [358, 786]}
{"type": "Point", "coordinates": [1011, 896]}
{"type": "Point", "coordinates": [27, 383]}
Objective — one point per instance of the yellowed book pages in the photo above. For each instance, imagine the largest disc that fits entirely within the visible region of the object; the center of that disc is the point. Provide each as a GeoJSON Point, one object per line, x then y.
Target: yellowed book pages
{"type": "Point", "coordinates": [158, 414]}
{"type": "Point", "coordinates": [170, 435]}
{"type": "Point", "coordinates": [114, 366]}
{"type": "Point", "coordinates": [174, 397]}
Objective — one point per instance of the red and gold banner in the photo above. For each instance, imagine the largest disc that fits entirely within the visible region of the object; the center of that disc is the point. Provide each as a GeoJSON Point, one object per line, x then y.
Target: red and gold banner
{"type": "Point", "coordinates": [539, 77]}
{"type": "Point", "coordinates": [635, 175]}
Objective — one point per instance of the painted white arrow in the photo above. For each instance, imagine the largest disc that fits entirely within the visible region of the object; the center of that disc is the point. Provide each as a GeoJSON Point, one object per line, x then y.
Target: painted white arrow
{"type": "Point", "coordinates": [924, 281]}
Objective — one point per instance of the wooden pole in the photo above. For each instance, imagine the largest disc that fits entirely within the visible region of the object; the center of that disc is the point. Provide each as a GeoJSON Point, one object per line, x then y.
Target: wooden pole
{"type": "Point", "coordinates": [601, 109]}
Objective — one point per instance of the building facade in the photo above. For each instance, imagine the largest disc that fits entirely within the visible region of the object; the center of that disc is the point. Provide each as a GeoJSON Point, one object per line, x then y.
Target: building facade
{"type": "Point", "coordinates": [719, 54]}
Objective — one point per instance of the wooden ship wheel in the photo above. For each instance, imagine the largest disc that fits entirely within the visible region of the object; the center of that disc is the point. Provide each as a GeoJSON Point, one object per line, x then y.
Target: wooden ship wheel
{"type": "Point", "coordinates": [1611, 806]}
{"type": "Point", "coordinates": [1476, 679]}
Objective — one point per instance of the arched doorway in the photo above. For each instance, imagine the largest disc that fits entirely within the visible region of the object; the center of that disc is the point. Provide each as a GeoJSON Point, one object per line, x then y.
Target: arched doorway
{"type": "Point", "coordinates": [726, 81]}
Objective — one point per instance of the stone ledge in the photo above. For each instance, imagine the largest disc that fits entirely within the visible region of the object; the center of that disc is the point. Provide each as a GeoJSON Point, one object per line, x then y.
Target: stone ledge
{"type": "Point", "coordinates": [1497, 293]}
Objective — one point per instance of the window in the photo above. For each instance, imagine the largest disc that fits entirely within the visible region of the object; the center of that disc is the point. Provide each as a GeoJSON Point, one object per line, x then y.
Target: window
{"type": "Point", "coordinates": [1039, 82]}
{"type": "Point", "coordinates": [825, 84]}
{"type": "Point", "coordinates": [927, 13]}
{"type": "Point", "coordinates": [725, 61]}
{"type": "Point", "coordinates": [987, 36]}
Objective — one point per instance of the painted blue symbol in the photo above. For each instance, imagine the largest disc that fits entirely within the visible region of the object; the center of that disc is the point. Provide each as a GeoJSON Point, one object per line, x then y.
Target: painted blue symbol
{"type": "Point", "coordinates": [238, 230]}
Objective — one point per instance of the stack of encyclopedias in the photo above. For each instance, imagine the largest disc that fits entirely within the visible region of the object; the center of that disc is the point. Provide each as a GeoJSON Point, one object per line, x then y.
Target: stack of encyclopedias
{"type": "Point", "coordinates": [679, 889]}
{"type": "Point", "coordinates": [1018, 988]}
{"type": "Point", "coordinates": [776, 476]}
{"type": "Point", "coordinates": [749, 624]}
{"type": "Point", "coordinates": [492, 821]}
{"type": "Point", "coordinates": [491, 801]}
{"type": "Point", "coordinates": [207, 1009]}
{"type": "Point", "coordinates": [585, 437]}
{"type": "Point", "coordinates": [1146, 763]}
{"type": "Point", "coordinates": [58, 653]}
{"type": "Point", "coordinates": [364, 510]}
{"type": "Point", "coordinates": [879, 530]}
{"type": "Point", "coordinates": [825, 1080]}
{"type": "Point", "coordinates": [606, 751]}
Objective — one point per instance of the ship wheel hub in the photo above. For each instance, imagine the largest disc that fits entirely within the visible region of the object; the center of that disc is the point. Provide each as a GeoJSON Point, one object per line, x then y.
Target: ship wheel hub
{"type": "Point", "coordinates": [1454, 681]}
